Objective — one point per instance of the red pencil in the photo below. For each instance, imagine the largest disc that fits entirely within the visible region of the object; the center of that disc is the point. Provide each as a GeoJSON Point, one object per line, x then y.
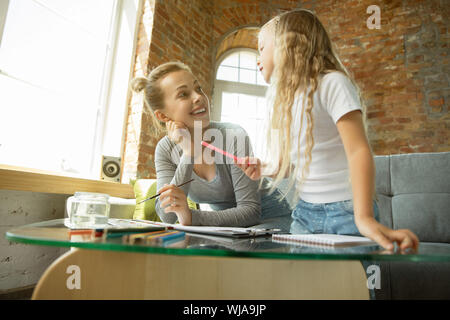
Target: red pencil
{"type": "Point", "coordinates": [91, 232]}
{"type": "Point", "coordinates": [229, 155]}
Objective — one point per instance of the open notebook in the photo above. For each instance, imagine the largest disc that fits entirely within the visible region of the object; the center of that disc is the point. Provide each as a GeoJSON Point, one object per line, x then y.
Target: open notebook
{"type": "Point", "coordinates": [322, 239]}
{"type": "Point", "coordinates": [234, 232]}
{"type": "Point", "coordinates": [122, 225]}
{"type": "Point", "coordinates": [117, 225]}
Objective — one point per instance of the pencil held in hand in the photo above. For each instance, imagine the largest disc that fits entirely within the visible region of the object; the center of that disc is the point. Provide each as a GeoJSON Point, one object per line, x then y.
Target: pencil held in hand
{"type": "Point", "coordinates": [229, 155]}
{"type": "Point", "coordinates": [157, 195]}
{"type": "Point", "coordinates": [251, 166]}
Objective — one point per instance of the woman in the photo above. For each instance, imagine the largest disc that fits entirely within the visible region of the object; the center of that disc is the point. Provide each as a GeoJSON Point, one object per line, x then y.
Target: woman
{"type": "Point", "coordinates": [176, 98]}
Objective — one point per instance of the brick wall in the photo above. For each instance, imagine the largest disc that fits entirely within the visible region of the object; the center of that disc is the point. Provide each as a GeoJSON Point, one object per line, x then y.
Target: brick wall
{"type": "Point", "coordinates": [169, 30]}
{"type": "Point", "coordinates": [401, 68]}
{"type": "Point", "coordinates": [133, 142]}
{"type": "Point", "coordinates": [246, 37]}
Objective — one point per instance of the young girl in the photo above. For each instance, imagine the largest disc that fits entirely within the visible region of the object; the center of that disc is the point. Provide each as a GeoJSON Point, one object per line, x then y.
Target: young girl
{"type": "Point", "coordinates": [176, 98]}
{"type": "Point", "coordinates": [322, 146]}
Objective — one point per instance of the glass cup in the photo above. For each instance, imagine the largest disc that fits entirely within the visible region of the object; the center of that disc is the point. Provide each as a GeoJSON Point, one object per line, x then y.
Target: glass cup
{"type": "Point", "coordinates": [86, 209]}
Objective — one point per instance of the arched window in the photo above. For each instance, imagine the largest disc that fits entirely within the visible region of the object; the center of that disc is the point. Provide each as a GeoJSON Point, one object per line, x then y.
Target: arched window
{"type": "Point", "coordinates": [239, 94]}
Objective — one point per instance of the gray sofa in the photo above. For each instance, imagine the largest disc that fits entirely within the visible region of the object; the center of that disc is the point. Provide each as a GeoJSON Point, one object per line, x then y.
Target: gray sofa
{"type": "Point", "coordinates": [413, 193]}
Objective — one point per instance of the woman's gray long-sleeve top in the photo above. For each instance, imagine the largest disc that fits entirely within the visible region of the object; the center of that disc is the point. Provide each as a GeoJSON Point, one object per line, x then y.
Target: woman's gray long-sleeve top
{"type": "Point", "coordinates": [233, 196]}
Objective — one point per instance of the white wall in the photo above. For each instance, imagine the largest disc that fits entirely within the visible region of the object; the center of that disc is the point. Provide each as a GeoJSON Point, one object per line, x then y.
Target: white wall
{"type": "Point", "coordinates": [22, 264]}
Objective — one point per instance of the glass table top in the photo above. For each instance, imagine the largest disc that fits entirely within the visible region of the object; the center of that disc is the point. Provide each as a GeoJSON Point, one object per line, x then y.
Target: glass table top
{"type": "Point", "coordinates": [55, 233]}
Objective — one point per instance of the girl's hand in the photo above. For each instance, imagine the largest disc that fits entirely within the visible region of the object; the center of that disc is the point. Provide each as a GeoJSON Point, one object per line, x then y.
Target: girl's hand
{"type": "Point", "coordinates": [173, 199]}
{"type": "Point", "coordinates": [179, 134]}
{"type": "Point", "coordinates": [251, 166]}
{"type": "Point", "coordinates": [384, 236]}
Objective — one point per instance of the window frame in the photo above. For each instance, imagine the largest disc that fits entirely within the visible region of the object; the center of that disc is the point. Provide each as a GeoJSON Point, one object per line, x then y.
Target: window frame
{"type": "Point", "coordinates": [4, 5]}
{"type": "Point", "coordinates": [106, 107]}
{"type": "Point", "coordinates": [221, 86]}
{"type": "Point", "coordinates": [23, 179]}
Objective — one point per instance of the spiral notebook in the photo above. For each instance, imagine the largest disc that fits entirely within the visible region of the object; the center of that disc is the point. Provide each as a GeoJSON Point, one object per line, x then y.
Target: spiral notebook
{"type": "Point", "coordinates": [322, 239]}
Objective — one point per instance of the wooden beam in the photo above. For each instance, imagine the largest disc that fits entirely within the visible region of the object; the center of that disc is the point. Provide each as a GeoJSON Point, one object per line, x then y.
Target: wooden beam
{"type": "Point", "coordinates": [22, 179]}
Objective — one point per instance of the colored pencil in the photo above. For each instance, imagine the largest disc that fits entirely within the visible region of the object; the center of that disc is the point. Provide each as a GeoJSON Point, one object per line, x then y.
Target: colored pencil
{"type": "Point", "coordinates": [160, 235]}
{"type": "Point", "coordinates": [152, 238]}
{"type": "Point", "coordinates": [157, 195]}
{"type": "Point", "coordinates": [142, 235]}
{"type": "Point", "coordinates": [229, 155]}
{"type": "Point", "coordinates": [168, 237]}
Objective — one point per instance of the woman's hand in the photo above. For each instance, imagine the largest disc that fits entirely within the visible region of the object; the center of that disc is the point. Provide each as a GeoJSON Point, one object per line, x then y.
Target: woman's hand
{"type": "Point", "coordinates": [173, 199]}
{"type": "Point", "coordinates": [251, 166]}
{"type": "Point", "coordinates": [179, 134]}
{"type": "Point", "coordinates": [384, 236]}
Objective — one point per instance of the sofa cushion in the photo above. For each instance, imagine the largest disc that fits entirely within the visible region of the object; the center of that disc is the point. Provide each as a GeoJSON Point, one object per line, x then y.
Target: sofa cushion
{"type": "Point", "coordinates": [420, 186]}
{"type": "Point", "coordinates": [121, 208]}
{"type": "Point", "coordinates": [426, 214]}
{"type": "Point", "coordinates": [385, 209]}
{"type": "Point", "coordinates": [383, 175]}
{"type": "Point", "coordinates": [143, 189]}
{"type": "Point", "coordinates": [420, 173]}
{"type": "Point", "coordinates": [146, 188]}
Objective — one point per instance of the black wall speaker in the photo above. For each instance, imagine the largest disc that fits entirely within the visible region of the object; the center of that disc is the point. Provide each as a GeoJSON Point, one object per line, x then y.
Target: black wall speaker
{"type": "Point", "coordinates": [110, 169]}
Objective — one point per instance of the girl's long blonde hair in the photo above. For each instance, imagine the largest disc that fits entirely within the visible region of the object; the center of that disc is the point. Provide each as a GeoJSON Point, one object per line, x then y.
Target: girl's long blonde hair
{"type": "Point", "coordinates": [303, 51]}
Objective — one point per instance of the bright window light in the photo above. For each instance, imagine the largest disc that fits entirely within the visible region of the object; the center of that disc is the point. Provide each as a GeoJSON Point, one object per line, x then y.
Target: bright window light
{"type": "Point", "coordinates": [239, 94]}
{"type": "Point", "coordinates": [56, 60]}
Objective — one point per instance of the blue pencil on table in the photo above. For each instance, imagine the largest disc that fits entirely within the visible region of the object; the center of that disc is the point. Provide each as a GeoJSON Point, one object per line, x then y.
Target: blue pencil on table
{"type": "Point", "coordinates": [168, 237]}
{"type": "Point", "coordinates": [128, 233]}
{"type": "Point", "coordinates": [117, 233]}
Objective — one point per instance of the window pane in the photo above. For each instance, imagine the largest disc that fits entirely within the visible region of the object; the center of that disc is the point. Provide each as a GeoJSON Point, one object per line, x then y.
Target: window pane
{"type": "Point", "coordinates": [250, 127]}
{"type": "Point", "coordinates": [58, 50]}
{"type": "Point", "coordinates": [230, 102]}
{"type": "Point", "coordinates": [261, 109]}
{"type": "Point", "coordinates": [117, 108]}
{"type": "Point", "coordinates": [259, 79]}
{"type": "Point", "coordinates": [51, 52]}
{"type": "Point", "coordinates": [260, 138]}
{"type": "Point", "coordinates": [247, 106]}
{"type": "Point", "coordinates": [247, 76]}
{"type": "Point", "coordinates": [227, 73]}
{"type": "Point", "coordinates": [231, 61]}
{"type": "Point", "coordinates": [248, 60]}
{"type": "Point", "coordinates": [249, 111]}
{"type": "Point", "coordinates": [85, 14]}
{"type": "Point", "coordinates": [226, 119]}
{"type": "Point", "coordinates": [37, 132]}
{"type": "Point", "coordinates": [244, 110]}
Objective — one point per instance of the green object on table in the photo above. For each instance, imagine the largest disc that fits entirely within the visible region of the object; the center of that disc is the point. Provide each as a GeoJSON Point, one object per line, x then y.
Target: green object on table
{"type": "Point", "coordinates": [143, 189]}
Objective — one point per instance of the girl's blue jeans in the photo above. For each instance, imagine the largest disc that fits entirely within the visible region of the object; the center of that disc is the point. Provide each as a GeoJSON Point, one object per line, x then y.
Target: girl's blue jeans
{"type": "Point", "coordinates": [333, 218]}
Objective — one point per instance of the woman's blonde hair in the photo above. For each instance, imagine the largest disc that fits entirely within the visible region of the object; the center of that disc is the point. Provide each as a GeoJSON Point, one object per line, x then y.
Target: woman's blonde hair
{"type": "Point", "coordinates": [303, 51]}
{"type": "Point", "coordinates": [153, 95]}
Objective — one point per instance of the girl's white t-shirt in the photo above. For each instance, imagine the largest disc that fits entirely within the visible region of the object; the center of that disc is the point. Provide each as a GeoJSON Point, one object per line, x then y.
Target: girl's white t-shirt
{"type": "Point", "coordinates": [328, 179]}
